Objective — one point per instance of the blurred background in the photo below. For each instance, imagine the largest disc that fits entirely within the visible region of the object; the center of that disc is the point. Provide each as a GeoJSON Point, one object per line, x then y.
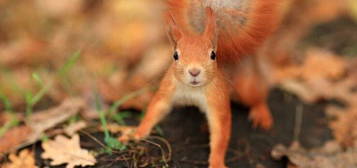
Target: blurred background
{"type": "Point", "coordinates": [79, 47]}
{"type": "Point", "coordinates": [114, 47]}
{"type": "Point", "coordinates": [51, 50]}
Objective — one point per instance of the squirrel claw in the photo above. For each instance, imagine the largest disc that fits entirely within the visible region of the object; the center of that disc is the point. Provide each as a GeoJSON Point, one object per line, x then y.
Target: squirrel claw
{"type": "Point", "coordinates": [124, 139]}
{"type": "Point", "coordinates": [127, 136]}
{"type": "Point", "coordinates": [131, 135]}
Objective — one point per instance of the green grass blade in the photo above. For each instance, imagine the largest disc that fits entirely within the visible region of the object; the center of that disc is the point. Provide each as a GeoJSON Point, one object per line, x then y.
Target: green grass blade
{"type": "Point", "coordinates": [110, 141]}
{"type": "Point", "coordinates": [63, 71]}
{"type": "Point", "coordinates": [39, 95]}
{"type": "Point", "coordinates": [119, 117]}
{"type": "Point", "coordinates": [6, 101]}
{"type": "Point", "coordinates": [37, 79]}
{"type": "Point", "coordinates": [8, 125]}
{"type": "Point", "coordinates": [119, 102]}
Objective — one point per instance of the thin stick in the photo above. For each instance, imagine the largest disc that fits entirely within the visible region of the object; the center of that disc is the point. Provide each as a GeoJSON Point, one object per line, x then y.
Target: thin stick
{"type": "Point", "coordinates": [93, 138]}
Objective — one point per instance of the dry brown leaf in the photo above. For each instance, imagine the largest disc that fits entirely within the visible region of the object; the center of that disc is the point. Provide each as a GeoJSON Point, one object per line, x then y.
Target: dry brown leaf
{"type": "Point", "coordinates": [38, 123]}
{"type": "Point", "coordinates": [316, 78]}
{"type": "Point", "coordinates": [24, 160]}
{"type": "Point", "coordinates": [41, 121]}
{"type": "Point", "coordinates": [317, 64]}
{"type": "Point", "coordinates": [331, 155]}
{"type": "Point", "coordinates": [73, 128]}
{"type": "Point", "coordinates": [63, 150]}
{"type": "Point", "coordinates": [344, 126]}
{"type": "Point", "coordinates": [14, 137]}
{"type": "Point", "coordinates": [322, 64]}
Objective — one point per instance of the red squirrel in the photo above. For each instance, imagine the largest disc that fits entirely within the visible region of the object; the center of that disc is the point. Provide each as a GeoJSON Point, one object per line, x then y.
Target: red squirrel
{"type": "Point", "coordinates": [209, 38]}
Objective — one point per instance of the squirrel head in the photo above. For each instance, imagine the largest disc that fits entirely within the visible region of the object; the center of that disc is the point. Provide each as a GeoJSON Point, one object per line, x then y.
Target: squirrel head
{"type": "Point", "coordinates": [195, 62]}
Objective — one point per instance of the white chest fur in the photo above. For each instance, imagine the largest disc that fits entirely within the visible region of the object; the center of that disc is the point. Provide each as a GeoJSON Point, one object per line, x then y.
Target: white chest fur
{"type": "Point", "coordinates": [187, 95]}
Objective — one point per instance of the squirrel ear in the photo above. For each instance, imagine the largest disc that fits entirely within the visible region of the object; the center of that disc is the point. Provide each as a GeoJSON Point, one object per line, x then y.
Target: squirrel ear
{"type": "Point", "coordinates": [210, 29]}
{"type": "Point", "coordinates": [173, 31]}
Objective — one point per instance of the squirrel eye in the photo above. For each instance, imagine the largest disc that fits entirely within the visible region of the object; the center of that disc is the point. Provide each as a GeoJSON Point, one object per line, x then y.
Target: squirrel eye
{"type": "Point", "coordinates": [213, 55]}
{"type": "Point", "coordinates": [176, 57]}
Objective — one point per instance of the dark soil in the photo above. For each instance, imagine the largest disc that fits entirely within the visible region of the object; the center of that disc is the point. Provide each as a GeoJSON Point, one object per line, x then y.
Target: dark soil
{"type": "Point", "coordinates": [184, 129]}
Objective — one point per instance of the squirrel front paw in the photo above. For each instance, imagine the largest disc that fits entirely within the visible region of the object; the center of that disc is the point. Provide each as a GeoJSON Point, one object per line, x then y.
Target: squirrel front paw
{"type": "Point", "coordinates": [134, 134]}
{"type": "Point", "coordinates": [261, 117]}
{"type": "Point", "coordinates": [127, 135]}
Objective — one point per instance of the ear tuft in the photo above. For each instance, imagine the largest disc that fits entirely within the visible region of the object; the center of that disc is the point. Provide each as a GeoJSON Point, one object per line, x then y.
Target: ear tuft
{"type": "Point", "coordinates": [174, 31]}
{"type": "Point", "coordinates": [210, 28]}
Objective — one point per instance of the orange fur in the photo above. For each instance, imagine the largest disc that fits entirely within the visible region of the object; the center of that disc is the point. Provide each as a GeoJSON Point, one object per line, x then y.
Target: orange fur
{"type": "Point", "coordinates": [252, 90]}
{"type": "Point", "coordinates": [200, 30]}
{"type": "Point", "coordinates": [234, 40]}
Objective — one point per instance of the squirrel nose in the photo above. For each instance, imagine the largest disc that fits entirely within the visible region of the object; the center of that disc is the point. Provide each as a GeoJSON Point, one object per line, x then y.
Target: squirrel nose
{"type": "Point", "coordinates": [194, 72]}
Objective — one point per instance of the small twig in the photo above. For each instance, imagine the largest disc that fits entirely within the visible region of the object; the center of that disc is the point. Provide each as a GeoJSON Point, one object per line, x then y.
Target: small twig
{"type": "Point", "coordinates": [93, 138]}
{"type": "Point", "coordinates": [169, 150]}
{"type": "Point", "coordinates": [161, 149]}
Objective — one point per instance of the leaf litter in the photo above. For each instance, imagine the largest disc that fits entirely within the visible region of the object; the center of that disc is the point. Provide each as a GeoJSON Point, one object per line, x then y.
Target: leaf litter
{"type": "Point", "coordinates": [75, 127]}
{"type": "Point", "coordinates": [25, 159]}
{"type": "Point", "coordinates": [331, 155]}
{"type": "Point", "coordinates": [324, 76]}
{"type": "Point", "coordinates": [38, 123]}
{"type": "Point", "coordinates": [64, 150]}
{"type": "Point", "coordinates": [331, 81]}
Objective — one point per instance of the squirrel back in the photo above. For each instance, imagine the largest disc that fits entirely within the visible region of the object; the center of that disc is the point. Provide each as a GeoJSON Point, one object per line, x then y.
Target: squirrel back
{"type": "Point", "coordinates": [242, 25]}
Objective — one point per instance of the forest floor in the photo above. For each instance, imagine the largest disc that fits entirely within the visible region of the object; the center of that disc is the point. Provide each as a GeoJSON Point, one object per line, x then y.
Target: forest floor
{"type": "Point", "coordinates": [314, 113]}
{"type": "Point", "coordinates": [184, 133]}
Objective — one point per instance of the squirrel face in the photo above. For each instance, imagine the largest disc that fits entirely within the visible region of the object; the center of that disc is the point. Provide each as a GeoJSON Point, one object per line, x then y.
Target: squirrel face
{"type": "Point", "coordinates": [195, 56]}
{"type": "Point", "coordinates": [194, 60]}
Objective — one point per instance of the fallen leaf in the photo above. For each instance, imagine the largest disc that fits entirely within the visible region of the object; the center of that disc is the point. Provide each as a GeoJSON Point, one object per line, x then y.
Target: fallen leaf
{"type": "Point", "coordinates": [331, 155]}
{"type": "Point", "coordinates": [14, 137]}
{"type": "Point", "coordinates": [322, 76]}
{"type": "Point", "coordinates": [322, 64]}
{"type": "Point", "coordinates": [63, 150]}
{"type": "Point", "coordinates": [41, 121]}
{"type": "Point", "coordinates": [25, 159]}
{"type": "Point", "coordinates": [38, 123]}
{"type": "Point", "coordinates": [344, 125]}
{"type": "Point", "coordinates": [73, 128]}
{"type": "Point", "coordinates": [317, 64]}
